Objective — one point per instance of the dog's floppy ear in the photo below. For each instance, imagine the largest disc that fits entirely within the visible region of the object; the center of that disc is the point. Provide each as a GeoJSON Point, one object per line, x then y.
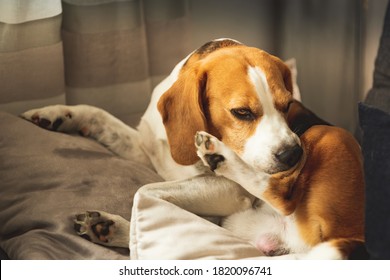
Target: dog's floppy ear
{"type": "Point", "coordinates": [300, 118]}
{"type": "Point", "coordinates": [182, 114]}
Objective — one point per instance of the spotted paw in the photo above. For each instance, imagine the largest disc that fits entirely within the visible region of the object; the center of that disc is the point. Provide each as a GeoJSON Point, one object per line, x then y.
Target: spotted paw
{"type": "Point", "coordinates": [56, 117]}
{"type": "Point", "coordinates": [103, 228]}
{"type": "Point", "coordinates": [94, 226]}
{"type": "Point", "coordinates": [211, 151]}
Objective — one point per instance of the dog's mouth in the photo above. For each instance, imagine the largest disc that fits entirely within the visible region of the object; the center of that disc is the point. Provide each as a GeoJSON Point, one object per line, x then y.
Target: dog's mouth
{"type": "Point", "coordinates": [277, 167]}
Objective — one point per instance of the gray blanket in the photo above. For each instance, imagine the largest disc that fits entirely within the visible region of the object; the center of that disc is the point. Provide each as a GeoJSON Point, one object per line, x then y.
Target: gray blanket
{"type": "Point", "coordinates": [46, 178]}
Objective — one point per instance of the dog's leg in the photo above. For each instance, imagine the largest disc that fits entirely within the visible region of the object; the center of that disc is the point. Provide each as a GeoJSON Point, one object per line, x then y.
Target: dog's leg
{"type": "Point", "coordinates": [203, 195]}
{"type": "Point", "coordinates": [103, 228]}
{"type": "Point", "coordinates": [274, 189]}
{"type": "Point", "coordinates": [91, 122]}
{"type": "Point", "coordinates": [225, 162]}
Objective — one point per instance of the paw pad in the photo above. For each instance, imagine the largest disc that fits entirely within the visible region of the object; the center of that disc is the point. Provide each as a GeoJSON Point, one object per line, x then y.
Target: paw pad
{"type": "Point", "coordinates": [102, 230]}
{"type": "Point", "coordinates": [214, 160]}
{"type": "Point", "coordinates": [204, 141]}
{"type": "Point", "coordinates": [93, 227]}
{"type": "Point", "coordinates": [207, 146]}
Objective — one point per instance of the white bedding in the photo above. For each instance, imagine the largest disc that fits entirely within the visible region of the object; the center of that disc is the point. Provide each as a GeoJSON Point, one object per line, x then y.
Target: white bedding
{"type": "Point", "coordinates": [161, 230]}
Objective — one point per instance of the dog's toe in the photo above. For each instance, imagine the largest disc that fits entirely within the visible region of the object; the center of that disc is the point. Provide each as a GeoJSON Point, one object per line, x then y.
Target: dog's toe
{"type": "Point", "coordinates": [50, 117]}
{"type": "Point", "coordinates": [206, 143]}
{"type": "Point", "coordinates": [209, 149]}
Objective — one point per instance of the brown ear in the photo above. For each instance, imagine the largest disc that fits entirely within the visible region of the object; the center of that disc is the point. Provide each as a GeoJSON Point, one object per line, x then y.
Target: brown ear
{"type": "Point", "coordinates": [182, 114]}
{"type": "Point", "coordinates": [300, 118]}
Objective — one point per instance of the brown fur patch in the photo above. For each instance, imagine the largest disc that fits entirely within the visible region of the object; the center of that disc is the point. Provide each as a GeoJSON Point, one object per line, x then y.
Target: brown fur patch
{"type": "Point", "coordinates": [328, 195]}
{"type": "Point", "coordinates": [351, 248]}
{"type": "Point", "coordinates": [182, 114]}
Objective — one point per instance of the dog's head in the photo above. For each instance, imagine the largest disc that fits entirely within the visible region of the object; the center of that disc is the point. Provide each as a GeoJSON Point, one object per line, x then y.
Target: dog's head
{"type": "Point", "coordinates": [240, 95]}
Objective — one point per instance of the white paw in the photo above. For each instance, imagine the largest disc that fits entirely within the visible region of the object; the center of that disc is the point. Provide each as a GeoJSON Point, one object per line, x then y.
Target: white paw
{"type": "Point", "coordinates": [51, 117]}
{"type": "Point", "coordinates": [212, 152]}
{"type": "Point", "coordinates": [94, 226]}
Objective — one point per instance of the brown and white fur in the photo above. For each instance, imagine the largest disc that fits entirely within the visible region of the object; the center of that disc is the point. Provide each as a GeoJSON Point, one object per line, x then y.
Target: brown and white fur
{"type": "Point", "coordinates": [286, 181]}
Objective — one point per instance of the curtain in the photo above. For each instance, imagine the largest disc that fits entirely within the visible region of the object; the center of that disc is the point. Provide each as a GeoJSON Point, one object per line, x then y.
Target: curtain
{"type": "Point", "coordinates": [104, 53]}
{"type": "Point", "coordinates": [116, 51]}
{"type": "Point", "coordinates": [31, 54]}
{"type": "Point", "coordinates": [324, 38]}
{"type": "Point", "coordinates": [111, 53]}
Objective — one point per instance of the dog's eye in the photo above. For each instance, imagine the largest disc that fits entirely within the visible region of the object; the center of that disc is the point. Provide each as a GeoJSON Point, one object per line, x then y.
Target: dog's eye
{"type": "Point", "coordinates": [244, 114]}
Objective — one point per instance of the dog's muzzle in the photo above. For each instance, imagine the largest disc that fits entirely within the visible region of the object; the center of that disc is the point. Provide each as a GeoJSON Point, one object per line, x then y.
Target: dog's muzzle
{"type": "Point", "coordinates": [289, 157]}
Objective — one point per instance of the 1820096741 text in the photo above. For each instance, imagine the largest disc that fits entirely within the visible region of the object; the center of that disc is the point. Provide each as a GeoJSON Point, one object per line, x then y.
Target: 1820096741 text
{"type": "Point", "coordinates": [180, 271]}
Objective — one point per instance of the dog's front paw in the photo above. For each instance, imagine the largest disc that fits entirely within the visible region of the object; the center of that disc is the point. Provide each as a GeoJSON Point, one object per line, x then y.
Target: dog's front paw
{"type": "Point", "coordinates": [211, 151]}
{"type": "Point", "coordinates": [50, 117]}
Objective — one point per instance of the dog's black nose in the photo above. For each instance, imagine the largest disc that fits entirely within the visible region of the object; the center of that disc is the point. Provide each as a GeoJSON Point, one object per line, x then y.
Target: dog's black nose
{"type": "Point", "coordinates": [290, 156]}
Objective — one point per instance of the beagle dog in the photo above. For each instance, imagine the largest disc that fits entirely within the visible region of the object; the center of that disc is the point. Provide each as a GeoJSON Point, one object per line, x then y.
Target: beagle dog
{"type": "Point", "coordinates": [225, 132]}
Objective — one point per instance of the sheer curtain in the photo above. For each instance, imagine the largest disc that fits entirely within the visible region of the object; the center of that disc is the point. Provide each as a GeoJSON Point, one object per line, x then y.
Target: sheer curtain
{"type": "Point", "coordinates": [31, 54]}
{"type": "Point", "coordinates": [111, 53]}
{"type": "Point", "coordinates": [105, 53]}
